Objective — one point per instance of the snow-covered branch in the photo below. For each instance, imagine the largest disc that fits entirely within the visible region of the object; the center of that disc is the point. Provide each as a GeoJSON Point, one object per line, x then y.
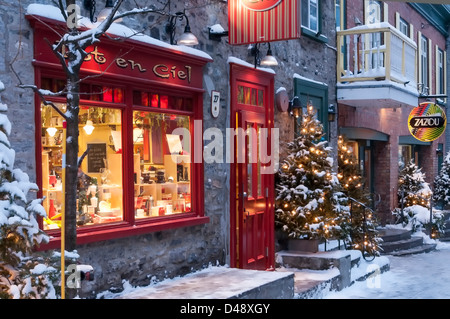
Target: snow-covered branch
{"type": "Point", "coordinates": [42, 94]}
{"type": "Point", "coordinates": [91, 36]}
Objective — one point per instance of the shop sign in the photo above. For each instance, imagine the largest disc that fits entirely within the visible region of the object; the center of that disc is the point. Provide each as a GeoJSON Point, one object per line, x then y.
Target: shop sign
{"type": "Point", "coordinates": [131, 60]}
{"type": "Point", "coordinates": [260, 5]}
{"type": "Point", "coordinates": [427, 122]}
{"type": "Point", "coordinates": [256, 21]}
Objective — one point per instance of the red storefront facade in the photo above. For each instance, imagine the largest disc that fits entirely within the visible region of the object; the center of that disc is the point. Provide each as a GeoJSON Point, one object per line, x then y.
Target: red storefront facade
{"type": "Point", "coordinates": [135, 94]}
{"type": "Point", "coordinates": [136, 85]}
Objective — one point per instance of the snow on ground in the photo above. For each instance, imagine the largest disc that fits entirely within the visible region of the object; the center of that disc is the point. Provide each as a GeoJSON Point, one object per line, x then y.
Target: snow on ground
{"type": "Point", "coordinates": [420, 276]}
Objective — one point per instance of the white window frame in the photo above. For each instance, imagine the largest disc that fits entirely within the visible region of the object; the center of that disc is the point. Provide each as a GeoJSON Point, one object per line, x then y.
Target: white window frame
{"type": "Point", "coordinates": [309, 5]}
{"type": "Point", "coordinates": [440, 70]}
{"type": "Point", "coordinates": [424, 63]}
{"type": "Point", "coordinates": [337, 7]}
{"type": "Point", "coordinates": [403, 26]}
{"type": "Point", "coordinates": [373, 11]}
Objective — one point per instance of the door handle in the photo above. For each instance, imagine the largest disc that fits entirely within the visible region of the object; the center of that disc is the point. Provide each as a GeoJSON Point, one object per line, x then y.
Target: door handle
{"type": "Point", "coordinates": [244, 196]}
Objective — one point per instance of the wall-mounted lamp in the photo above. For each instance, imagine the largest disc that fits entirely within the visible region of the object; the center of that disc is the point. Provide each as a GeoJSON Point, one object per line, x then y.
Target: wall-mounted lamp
{"type": "Point", "coordinates": [295, 107]}
{"type": "Point", "coordinates": [216, 32]}
{"type": "Point", "coordinates": [187, 38]}
{"type": "Point", "coordinates": [268, 60]}
{"type": "Point", "coordinates": [105, 12]}
{"type": "Point", "coordinates": [331, 113]}
{"type": "Point", "coordinates": [439, 152]}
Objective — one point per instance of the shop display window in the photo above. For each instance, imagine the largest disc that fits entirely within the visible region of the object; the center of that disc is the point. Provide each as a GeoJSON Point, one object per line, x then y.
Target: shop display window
{"type": "Point", "coordinates": [162, 171]}
{"type": "Point", "coordinates": [99, 198]}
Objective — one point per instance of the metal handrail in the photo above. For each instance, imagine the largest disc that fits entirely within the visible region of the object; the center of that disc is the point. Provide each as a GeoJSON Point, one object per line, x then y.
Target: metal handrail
{"type": "Point", "coordinates": [364, 222]}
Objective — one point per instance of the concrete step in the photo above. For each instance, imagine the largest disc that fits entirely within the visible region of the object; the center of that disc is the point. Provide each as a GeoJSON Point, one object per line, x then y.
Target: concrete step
{"type": "Point", "coordinates": [389, 247]}
{"type": "Point", "coordinates": [394, 234]}
{"type": "Point", "coordinates": [220, 283]}
{"type": "Point", "coordinates": [339, 260]}
{"type": "Point", "coordinates": [425, 248]}
{"type": "Point", "coordinates": [318, 273]}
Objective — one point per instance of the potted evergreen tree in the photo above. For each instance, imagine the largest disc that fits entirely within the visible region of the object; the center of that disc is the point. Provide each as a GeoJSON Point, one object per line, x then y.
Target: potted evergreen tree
{"type": "Point", "coordinates": [310, 205]}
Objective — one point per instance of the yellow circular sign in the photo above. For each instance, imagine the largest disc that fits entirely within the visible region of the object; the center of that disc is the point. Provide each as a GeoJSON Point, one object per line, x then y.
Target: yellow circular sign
{"type": "Point", "coordinates": [427, 122]}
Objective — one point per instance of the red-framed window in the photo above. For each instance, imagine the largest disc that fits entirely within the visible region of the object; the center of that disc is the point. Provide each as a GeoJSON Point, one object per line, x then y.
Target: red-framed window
{"type": "Point", "coordinates": [137, 176]}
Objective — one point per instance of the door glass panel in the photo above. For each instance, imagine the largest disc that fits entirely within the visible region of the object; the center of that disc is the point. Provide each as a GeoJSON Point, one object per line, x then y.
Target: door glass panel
{"type": "Point", "coordinates": [249, 160]}
{"type": "Point", "coordinates": [240, 97]}
{"type": "Point", "coordinates": [260, 98]}
{"type": "Point", "coordinates": [253, 97]}
{"type": "Point", "coordinates": [247, 95]}
{"type": "Point", "coordinates": [259, 187]}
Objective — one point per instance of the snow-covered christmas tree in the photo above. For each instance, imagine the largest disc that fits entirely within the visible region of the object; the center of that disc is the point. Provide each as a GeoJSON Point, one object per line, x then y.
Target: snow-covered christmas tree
{"type": "Point", "coordinates": [441, 194]}
{"type": "Point", "coordinates": [362, 226]}
{"type": "Point", "coordinates": [415, 196]}
{"type": "Point", "coordinates": [309, 201]}
{"type": "Point", "coordinates": [22, 275]}
{"type": "Point", "coordinates": [412, 187]}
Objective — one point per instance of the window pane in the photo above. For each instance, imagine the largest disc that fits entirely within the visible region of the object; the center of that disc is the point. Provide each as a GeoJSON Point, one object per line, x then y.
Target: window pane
{"type": "Point", "coordinates": [338, 14]}
{"type": "Point", "coordinates": [253, 98]}
{"type": "Point", "coordinates": [161, 164]}
{"type": "Point", "coordinates": [99, 195]}
{"type": "Point", "coordinates": [260, 98]}
{"type": "Point", "coordinates": [305, 13]}
{"type": "Point", "coordinates": [240, 97]}
{"type": "Point", "coordinates": [247, 95]}
{"type": "Point", "coordinates": [250, 160]}
{"type": "Point", "coordinates": [313, 15]}
{"type": "Point", "coordinates": [259, 162]}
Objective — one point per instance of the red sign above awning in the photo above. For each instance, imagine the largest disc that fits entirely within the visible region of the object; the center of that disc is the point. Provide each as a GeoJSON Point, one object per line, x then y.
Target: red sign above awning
{"type": "Point", "coordinates": [254, 21]}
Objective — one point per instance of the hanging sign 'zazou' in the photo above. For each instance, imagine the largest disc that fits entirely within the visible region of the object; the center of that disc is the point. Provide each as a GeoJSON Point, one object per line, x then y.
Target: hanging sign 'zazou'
{"type": "Point", "coordinates": [427, 122]}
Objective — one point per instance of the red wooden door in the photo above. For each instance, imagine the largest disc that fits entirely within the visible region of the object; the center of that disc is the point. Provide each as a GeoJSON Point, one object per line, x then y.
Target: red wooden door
{"type": "Point", "coordinates": [252, 198]}
{"type": "Point", "coordinates": [251, 187]}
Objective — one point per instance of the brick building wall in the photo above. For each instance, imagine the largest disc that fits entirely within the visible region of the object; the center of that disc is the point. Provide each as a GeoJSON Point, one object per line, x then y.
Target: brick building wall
{"type": "Point", "coordinates": [392, 122]}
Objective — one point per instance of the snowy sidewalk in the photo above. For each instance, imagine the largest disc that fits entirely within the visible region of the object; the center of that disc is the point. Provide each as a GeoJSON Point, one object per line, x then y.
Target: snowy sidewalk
{"type": "Point", "coordinates": [215, 283]}
{"type": "Point", "coordinates": [222, 282]}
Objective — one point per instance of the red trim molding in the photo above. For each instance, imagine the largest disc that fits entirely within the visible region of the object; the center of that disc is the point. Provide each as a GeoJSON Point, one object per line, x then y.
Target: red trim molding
{"type": "Point", "coordinates": [128, 230]}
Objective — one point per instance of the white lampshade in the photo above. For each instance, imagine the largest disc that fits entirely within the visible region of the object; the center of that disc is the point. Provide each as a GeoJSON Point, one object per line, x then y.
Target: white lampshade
{"type": "Point", "coordinates": [188, 38]}
{"type": "Point", "coordinates": [269, 60]}
{"type": "Point", "coordinates": [88, 128]}
{"type": "Point", "coordinates": [51, 131]}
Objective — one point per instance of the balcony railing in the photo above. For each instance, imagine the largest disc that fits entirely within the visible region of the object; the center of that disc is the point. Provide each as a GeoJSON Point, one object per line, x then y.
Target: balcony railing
{"type": "Point", "coordinates": [376, 52]}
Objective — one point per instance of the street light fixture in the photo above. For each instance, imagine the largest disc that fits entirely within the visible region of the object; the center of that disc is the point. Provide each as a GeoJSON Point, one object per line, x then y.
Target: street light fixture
{"type": "Point", "coordinates": [295, 107]}
{"type": "Point", "coordinates": [187, 38]}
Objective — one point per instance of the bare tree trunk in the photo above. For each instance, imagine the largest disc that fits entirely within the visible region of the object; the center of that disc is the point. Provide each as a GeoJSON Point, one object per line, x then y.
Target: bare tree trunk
{"type": "Point", "coordinates": [75, 60]}
{"type": "Point", "coordinates": [71, 171]}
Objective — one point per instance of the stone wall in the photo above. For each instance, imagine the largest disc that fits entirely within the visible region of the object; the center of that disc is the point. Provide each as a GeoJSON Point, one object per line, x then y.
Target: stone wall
{"type": "Point", "coordinates": [166, 254]}
{"type": "Point", "coordinates": [17, 52]}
